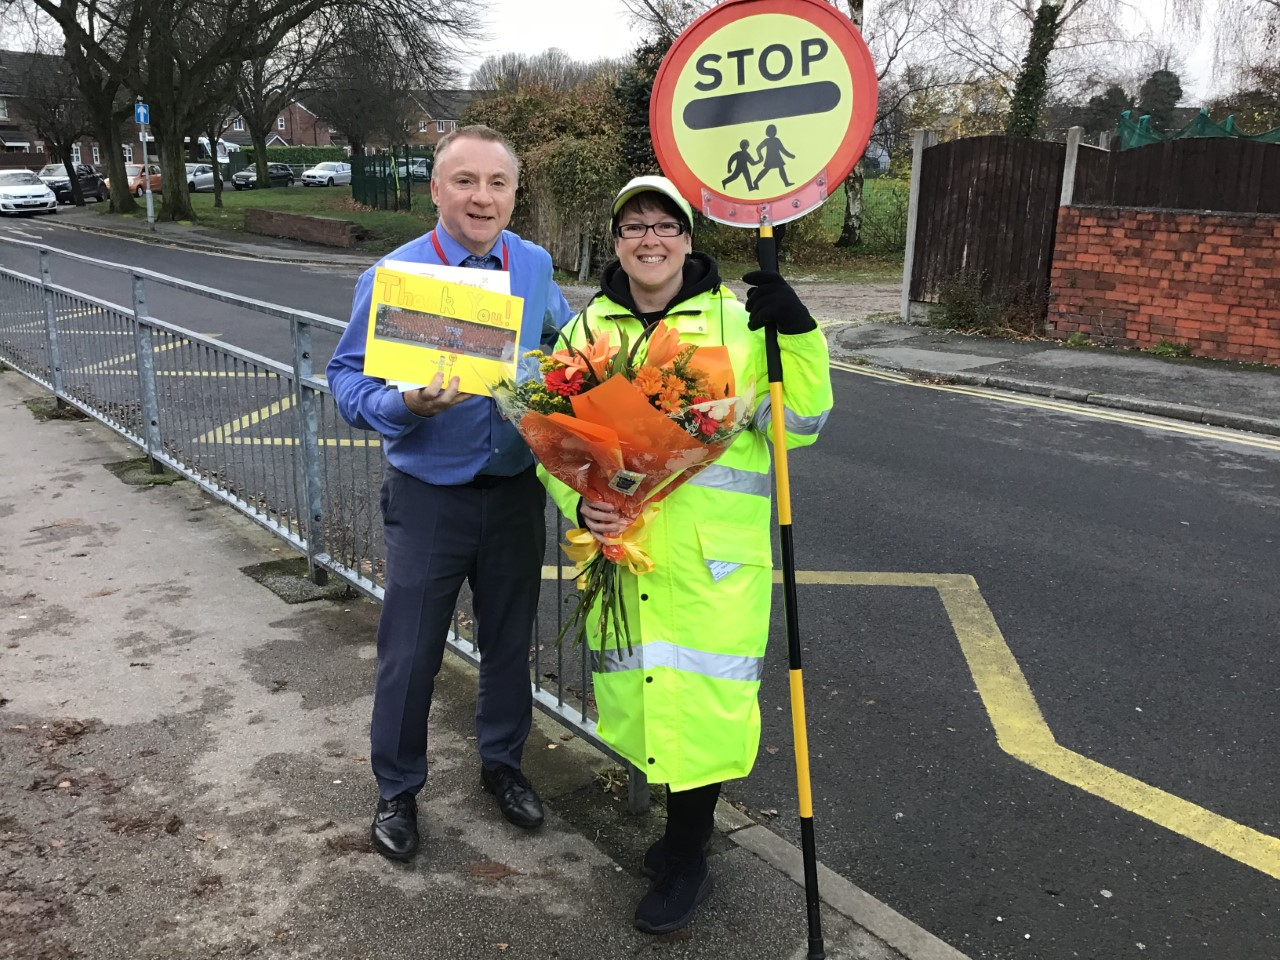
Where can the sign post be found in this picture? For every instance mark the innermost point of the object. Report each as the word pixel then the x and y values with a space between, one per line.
pixel 142 116
pixel 759 111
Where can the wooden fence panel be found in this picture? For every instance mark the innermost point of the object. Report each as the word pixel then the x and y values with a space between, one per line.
pixel 1222 174
pixel 988 208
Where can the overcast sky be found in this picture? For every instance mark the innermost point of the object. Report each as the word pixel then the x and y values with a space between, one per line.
pixel 589 29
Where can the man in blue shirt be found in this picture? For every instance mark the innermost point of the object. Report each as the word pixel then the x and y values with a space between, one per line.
pixel 460 501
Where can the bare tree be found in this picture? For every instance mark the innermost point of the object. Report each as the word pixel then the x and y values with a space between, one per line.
pixel 267 84
pixel 178 53
pixel 552 69
pixel 51 103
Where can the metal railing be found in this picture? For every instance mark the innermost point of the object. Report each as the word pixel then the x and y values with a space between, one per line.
pixel 262 435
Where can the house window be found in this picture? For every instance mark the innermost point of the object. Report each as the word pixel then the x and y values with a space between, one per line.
pixel 4 110
pixel 39 146
pixel 97 154
pixel 453 125
pixel 442 126
pixel 279 123
pixel 238 124
pixel 75 153
pixel 422 126
pixel 127 150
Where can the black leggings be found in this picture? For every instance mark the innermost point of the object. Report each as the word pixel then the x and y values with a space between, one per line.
pixel 690 819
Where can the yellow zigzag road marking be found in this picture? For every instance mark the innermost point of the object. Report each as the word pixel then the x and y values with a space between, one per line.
pixel 105 365
pixel 287 441
pixel 223 434
pixel 1066 406
pixel 1022 732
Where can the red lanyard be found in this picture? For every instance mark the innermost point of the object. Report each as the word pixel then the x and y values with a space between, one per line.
pixel 435 242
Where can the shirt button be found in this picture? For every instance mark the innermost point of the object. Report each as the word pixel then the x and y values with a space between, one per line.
pixel 651 760
pixel 648 679
pixel 644 596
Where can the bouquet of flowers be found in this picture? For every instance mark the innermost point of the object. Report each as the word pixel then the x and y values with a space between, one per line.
pixel 626 429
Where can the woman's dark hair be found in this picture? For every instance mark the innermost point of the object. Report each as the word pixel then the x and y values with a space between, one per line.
pixel 653 201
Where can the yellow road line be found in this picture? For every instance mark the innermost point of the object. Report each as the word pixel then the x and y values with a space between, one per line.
pixel 1022 732
pixel 284 441
pixel 224 433
pixel 1186 428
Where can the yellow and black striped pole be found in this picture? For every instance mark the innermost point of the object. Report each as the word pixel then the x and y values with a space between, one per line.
pixel 767 256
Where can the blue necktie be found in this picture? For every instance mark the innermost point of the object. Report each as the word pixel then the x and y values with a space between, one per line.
pixel 489 262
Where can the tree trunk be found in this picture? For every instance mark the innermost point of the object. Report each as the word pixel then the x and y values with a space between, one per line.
pixel 77 195
pixel 175 201
pixel 259 140
pixel 584 258
pixel 1032 83
pixel 851 231
pixel 217 168
pixel 106 127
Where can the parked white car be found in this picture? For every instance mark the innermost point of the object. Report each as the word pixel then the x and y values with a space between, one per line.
pixel 199 177
pixel 21 191
pixel 327 174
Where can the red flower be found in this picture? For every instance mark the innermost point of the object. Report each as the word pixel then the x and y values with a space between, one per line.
pixel 707 425
pixel 564 382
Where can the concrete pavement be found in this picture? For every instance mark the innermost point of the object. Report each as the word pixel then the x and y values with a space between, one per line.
pixel 184 774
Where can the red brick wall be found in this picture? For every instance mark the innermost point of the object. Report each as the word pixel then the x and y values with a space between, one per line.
pixel 1211 281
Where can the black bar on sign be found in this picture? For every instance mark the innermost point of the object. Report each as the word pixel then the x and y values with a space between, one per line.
pixel 757 106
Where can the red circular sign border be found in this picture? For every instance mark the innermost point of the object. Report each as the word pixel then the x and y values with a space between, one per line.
pixel 662 130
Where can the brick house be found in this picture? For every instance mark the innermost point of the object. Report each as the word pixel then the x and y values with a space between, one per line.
pixel 295 126
pixel 438 113
pixel 20 143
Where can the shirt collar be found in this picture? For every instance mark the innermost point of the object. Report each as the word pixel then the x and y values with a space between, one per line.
pixel 456 252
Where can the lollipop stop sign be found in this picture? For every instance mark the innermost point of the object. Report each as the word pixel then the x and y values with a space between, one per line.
pixel 762 107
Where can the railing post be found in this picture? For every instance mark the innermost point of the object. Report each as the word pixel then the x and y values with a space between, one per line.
pixel 51 328
pixel 1074 136
pixel 637 790
pixel 921 140
pixel 308 421
pixel 143 347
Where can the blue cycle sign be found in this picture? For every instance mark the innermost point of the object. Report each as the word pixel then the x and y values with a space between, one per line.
pixel 141 114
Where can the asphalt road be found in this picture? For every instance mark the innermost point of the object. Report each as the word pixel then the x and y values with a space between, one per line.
pixel 1132 575
pixel 1132 669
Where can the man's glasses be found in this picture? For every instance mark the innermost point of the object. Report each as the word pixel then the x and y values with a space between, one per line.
pixel 634 231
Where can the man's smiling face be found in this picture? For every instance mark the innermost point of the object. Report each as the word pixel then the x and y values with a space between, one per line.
pixel 474 188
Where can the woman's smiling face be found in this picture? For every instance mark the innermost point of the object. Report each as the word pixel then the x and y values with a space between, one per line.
pixel 654 264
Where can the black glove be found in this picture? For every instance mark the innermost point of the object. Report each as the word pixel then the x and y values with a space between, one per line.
pixel 772 302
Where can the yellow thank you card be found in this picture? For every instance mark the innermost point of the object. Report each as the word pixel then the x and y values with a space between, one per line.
pixel 420 326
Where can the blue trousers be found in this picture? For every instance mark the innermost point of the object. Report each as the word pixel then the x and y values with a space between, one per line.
pixel 492 534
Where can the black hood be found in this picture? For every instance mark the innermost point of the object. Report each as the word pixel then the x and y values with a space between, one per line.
pixel 700 276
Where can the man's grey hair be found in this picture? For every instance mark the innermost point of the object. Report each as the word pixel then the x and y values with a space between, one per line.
pixel 477 131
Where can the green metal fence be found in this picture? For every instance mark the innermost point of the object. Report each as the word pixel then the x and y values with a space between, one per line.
pixel 396 180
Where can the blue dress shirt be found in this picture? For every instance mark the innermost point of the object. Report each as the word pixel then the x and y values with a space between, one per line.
pixel 470 438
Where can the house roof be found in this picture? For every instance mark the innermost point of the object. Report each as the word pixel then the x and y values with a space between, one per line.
pixel 16 67
pixel 445 104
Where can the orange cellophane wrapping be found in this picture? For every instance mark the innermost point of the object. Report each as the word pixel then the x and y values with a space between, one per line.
pixel 614 428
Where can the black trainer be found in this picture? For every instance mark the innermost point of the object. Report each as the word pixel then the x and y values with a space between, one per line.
pixel 655 859
pixel 395 827
pixel 517 799
pixel 671 901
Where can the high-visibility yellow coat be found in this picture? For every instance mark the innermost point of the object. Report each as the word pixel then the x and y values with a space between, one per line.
pixel 682 706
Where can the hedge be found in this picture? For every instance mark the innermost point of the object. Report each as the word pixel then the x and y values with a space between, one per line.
pixel 299 156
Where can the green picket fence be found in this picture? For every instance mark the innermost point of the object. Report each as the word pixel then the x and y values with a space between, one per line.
pixel 397 180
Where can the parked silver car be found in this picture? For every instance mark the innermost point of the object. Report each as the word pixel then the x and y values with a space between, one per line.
pixel 199 177
pixel 327 174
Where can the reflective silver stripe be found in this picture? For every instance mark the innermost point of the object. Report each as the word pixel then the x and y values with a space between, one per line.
pixel 646 656
pixel 716 477
pixel 800 426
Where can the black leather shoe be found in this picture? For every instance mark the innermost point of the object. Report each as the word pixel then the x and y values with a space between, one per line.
pixel 671 902
pixel 516 797
pixel 395 827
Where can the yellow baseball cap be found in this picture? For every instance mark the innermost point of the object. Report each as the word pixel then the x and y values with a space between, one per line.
pixel 653 185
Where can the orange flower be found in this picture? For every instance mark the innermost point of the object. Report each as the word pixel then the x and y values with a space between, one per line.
pixel 664 346
pixel 648 380
pixel 671 399
pixel 590 356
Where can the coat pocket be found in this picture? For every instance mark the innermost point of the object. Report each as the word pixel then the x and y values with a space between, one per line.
pixel 727 546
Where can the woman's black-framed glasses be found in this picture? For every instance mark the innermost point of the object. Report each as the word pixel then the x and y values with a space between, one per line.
pixel 634 231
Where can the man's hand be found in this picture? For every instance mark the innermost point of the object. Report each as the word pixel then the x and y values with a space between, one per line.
pixel 772 303
pixel 434 397
pixel 602 519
